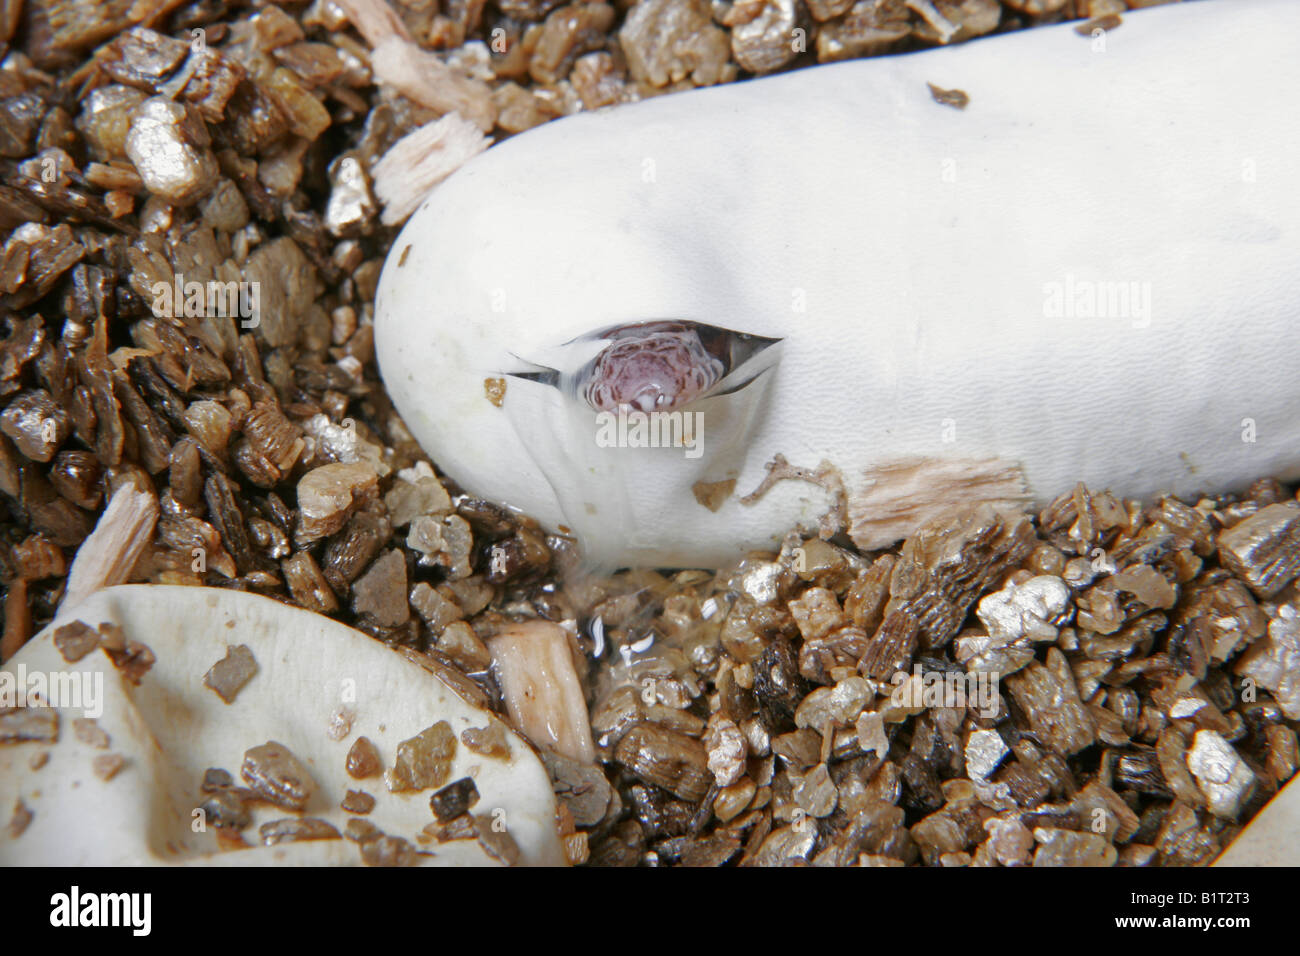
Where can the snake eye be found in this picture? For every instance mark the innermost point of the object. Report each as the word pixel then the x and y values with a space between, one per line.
pixel 651 369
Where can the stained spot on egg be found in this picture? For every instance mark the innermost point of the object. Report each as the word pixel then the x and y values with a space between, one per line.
pixel 712 494
pixel 957 99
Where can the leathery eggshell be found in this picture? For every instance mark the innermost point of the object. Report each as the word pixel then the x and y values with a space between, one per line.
pixel 1091 273
pixel 311 672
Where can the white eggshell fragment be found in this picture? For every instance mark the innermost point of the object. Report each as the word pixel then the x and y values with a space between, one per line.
pixel 1091 272
pixel 318 686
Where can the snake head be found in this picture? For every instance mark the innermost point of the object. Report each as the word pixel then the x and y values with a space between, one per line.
pixel 659 365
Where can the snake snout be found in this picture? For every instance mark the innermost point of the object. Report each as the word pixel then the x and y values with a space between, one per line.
pixel 650 368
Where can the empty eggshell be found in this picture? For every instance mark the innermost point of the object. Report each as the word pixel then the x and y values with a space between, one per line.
pixel 316 687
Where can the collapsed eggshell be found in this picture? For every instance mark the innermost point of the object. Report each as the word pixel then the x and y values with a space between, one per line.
pixel 1270 838
pixel 928 270
pixel 171 728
